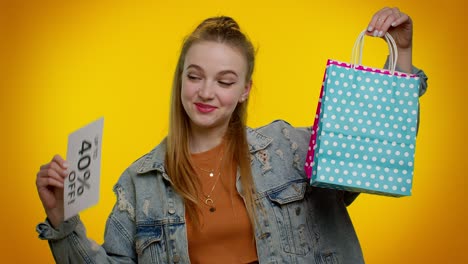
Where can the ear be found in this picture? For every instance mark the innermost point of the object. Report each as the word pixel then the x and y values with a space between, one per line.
pixel 246 92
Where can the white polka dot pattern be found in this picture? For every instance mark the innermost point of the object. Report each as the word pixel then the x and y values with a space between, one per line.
pixel 365 131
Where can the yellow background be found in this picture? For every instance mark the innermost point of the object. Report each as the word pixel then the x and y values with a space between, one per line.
pixel 66 63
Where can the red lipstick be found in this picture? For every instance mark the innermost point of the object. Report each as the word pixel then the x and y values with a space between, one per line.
pixel 204 108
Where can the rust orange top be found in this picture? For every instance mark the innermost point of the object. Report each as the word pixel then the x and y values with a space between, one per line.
pixel 225 234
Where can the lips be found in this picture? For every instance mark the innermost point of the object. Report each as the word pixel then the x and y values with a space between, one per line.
pixel 204 108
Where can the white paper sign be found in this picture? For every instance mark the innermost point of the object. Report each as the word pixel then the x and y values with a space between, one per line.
pixel 81 187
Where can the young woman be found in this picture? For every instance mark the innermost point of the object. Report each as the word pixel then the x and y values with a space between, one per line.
pixel 216 191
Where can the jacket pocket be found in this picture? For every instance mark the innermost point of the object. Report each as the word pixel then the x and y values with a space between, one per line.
pixel 149 244
pixel 290 215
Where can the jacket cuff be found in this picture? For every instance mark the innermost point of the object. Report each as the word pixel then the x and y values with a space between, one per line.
pixel 47 232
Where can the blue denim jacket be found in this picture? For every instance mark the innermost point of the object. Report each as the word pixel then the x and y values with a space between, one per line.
pixel 299 223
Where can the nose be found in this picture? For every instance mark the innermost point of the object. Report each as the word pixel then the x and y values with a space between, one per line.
pixel 206 91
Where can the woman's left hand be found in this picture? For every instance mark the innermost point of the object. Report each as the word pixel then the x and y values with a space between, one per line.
pixel 395 22
pixel 400 26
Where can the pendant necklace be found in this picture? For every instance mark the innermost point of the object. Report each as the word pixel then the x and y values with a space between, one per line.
pixel 211 173
pixel 208 200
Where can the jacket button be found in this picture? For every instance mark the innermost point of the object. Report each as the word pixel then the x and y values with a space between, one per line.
pixel 172 211
pixel 176 258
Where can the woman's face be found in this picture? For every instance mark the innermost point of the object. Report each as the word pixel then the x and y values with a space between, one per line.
pixel 213 83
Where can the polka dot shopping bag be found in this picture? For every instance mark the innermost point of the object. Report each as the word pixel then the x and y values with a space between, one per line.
pixel 364 134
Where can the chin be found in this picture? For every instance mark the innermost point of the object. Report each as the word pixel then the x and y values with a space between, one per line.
pixel 207 124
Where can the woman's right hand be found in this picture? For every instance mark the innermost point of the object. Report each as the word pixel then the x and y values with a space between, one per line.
pixel 49 183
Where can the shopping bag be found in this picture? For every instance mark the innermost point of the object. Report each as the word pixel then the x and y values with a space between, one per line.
pixel 364 133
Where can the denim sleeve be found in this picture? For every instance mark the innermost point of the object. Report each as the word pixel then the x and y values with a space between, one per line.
pixel 69 243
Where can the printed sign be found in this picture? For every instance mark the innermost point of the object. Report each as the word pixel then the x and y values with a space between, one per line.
pixel 81 187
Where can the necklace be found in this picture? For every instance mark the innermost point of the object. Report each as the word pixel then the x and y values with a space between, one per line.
pixel 208 200
pixel 211 172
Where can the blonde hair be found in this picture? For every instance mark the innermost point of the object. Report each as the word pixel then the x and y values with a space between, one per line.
pixel 223 30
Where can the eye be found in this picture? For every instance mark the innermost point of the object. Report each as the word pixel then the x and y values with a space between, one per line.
pixel 193 77
pixel 225 83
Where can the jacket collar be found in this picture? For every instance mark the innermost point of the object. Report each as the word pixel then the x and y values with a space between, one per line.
pixel 155 159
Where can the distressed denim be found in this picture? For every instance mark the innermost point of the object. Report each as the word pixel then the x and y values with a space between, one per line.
pixel 297 224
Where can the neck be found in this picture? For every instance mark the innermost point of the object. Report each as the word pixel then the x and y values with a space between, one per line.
pixel 203 139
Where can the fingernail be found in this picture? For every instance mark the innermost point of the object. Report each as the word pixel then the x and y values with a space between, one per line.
pixel 380 33
pixel 370 28
pixel 393 24
pixel 376 33
pixel 65 164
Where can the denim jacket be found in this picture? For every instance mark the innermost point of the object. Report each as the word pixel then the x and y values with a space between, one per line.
pixel 298 223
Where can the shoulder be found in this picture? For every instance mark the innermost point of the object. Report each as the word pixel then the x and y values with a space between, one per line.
pixel 149 162
pixel 272 129
pixel 274 125
pixel 153 160
pixel 281 129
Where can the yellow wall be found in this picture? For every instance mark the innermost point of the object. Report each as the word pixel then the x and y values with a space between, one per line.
pixel 65 64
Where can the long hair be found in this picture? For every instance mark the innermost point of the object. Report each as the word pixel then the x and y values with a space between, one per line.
pixel 223 30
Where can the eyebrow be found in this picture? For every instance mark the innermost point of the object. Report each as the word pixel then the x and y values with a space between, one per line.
pixel 219 73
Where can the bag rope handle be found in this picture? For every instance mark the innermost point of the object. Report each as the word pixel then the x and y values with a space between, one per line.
pixel 356 56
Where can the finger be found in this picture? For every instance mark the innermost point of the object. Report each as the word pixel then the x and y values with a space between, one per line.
pixel 385 26
pixel 56 159
pixel 394 15
pixel 44 166
pixel 49 174
pixel 48 182
pixel 392 20
pixel 59 169
pixel 57 164
pixel 383 19
pixel 52 169
pixel 398 21
pixel 376 21
pixel 59 160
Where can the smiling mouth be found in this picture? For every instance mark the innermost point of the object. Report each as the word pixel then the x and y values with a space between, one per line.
pixel 203 108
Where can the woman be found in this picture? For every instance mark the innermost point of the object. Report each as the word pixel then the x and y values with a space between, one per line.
pixel 215 191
